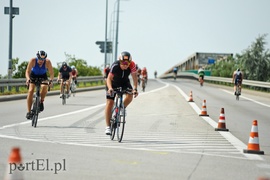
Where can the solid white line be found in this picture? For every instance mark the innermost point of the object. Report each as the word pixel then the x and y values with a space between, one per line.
pixel 248 98
pixel 52 117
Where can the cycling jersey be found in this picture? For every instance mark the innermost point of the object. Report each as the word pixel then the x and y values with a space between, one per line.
pixel 144 73
pixel 36 70
pixel 65 72
pixel 74 72
pixel 121 77
pixel 106 72
pixel 201 72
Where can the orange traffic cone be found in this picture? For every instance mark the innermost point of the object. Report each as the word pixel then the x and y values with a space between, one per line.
pixel 14 170
pixel 190 97
pixel 221 122
pixel 204 111
pixel 253 143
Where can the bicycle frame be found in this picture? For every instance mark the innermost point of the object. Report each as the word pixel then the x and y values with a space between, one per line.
pixel 36 103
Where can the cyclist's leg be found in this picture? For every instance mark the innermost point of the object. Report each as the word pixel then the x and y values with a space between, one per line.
pixel 68 85
pixel 30 96
pixel 44 90
pixel 61 86
pixel 108 111
pixel 234 87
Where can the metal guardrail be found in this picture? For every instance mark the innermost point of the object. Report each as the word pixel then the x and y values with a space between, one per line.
pixel 21 82
pixel 246 82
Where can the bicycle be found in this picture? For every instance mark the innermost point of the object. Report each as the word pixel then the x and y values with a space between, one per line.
pixel 118 121
pixel 237 90
pixel 36 102
pixel 64 93
pixel 73 87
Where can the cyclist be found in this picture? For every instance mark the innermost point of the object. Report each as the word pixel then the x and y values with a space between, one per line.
pixel 74 73
pixel 237 77
pixel 119 77
pixel 201 75
pixel 138 69
pixel 155 73
pixel 144 75
pixel 64 75
pixel 37 68
pixel 106 72
pixel 175 69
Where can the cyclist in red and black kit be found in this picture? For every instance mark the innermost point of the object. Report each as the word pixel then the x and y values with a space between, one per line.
pixel 119 77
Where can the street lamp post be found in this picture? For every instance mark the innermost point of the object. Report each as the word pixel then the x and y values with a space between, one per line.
pixel 11 11
pixel 105 44
pixel 117 27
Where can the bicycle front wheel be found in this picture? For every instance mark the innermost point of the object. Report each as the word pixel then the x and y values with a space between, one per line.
pixel 120 127
pixel 113 128
pixel 63 99
pixel 35 111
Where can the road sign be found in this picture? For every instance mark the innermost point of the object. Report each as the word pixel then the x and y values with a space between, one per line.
pixel 211 61
pixel 15 10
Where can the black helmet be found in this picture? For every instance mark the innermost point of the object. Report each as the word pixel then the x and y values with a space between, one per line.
pixel 41 53
pixel 125 56
pixel 238 69
pixel 64 64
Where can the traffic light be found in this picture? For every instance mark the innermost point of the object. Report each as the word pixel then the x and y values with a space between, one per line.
pixel 102 46
pixel 109 47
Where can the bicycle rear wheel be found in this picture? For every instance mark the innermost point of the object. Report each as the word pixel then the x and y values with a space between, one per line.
pixel 120 126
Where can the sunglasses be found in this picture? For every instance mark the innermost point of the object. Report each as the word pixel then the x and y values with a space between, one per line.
pixel 42 59
pixel 124 62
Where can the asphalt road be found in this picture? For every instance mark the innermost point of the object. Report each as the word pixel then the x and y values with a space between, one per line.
pixel 165 138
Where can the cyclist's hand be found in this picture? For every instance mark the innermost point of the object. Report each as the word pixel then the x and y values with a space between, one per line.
pixel 27 82
pixel 135 92
pixel 110 91
pixel 51 83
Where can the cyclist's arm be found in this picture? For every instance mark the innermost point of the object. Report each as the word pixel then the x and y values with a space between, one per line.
pixel 59 76
pixel 31 64
pixel 70 76
pixel 233 76
pixel 109 81
pixel 135 80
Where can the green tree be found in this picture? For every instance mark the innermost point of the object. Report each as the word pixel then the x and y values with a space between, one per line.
pixel 82 67
pixel 20 73
pixel 256 60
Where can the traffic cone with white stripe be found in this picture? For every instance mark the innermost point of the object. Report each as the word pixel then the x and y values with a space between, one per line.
pixel 253 143
pixel 15 167
pixel 221 122
pixel 190 97
pixel 204 110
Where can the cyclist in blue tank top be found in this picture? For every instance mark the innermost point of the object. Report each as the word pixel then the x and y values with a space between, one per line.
pixel 37 68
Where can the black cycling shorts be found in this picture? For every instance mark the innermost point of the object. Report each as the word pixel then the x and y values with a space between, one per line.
pixel 34 76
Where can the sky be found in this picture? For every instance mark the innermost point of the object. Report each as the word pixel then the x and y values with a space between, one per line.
pixel 158 33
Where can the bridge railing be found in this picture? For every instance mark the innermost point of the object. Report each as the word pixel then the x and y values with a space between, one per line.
pixel 17 83
pixel 249 83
